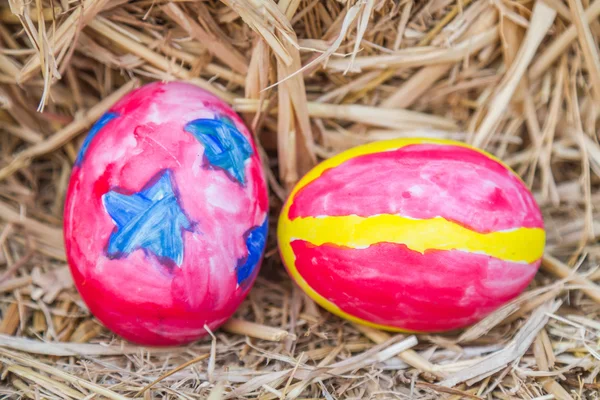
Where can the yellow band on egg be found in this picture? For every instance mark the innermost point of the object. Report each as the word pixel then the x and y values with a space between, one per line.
pixel 518 245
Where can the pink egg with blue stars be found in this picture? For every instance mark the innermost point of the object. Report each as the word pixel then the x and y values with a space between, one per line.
pixel 165 220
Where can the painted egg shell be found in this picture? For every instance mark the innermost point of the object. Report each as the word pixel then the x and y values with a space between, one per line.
pixel 166 215
pixel 411 235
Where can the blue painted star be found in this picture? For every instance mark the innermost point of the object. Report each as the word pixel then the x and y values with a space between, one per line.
pixel 97 127
pixel 255 242
pixel 151 219
pixel 224 146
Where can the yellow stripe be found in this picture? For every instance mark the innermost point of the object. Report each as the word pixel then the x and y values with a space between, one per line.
pixel 519 245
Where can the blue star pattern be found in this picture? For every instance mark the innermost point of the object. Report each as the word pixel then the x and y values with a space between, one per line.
pixel 255 242
pixel 151 219
pixel 224 146
pixel 97 127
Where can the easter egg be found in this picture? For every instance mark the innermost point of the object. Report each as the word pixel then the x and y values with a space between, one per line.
pixel 415 235
pixel 165 220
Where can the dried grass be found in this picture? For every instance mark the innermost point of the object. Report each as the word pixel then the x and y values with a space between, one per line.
pixel 312 78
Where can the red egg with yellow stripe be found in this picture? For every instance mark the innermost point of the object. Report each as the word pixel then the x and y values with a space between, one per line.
pixel 417 235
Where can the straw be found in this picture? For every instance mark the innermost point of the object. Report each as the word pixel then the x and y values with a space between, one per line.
pixel 310 78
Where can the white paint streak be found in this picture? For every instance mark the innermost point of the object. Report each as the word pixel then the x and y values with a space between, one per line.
pixel 216 196
pixel 197 165
pixel 416 190
pixel 155 114
pixel 163 147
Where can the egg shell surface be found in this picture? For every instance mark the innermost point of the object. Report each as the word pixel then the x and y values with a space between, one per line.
pixel 416 235
pixel 165 220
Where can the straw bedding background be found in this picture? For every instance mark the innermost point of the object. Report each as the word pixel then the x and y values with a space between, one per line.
pixel 311 78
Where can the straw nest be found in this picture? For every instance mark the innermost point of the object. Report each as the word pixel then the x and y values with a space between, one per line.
pixel 311 77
